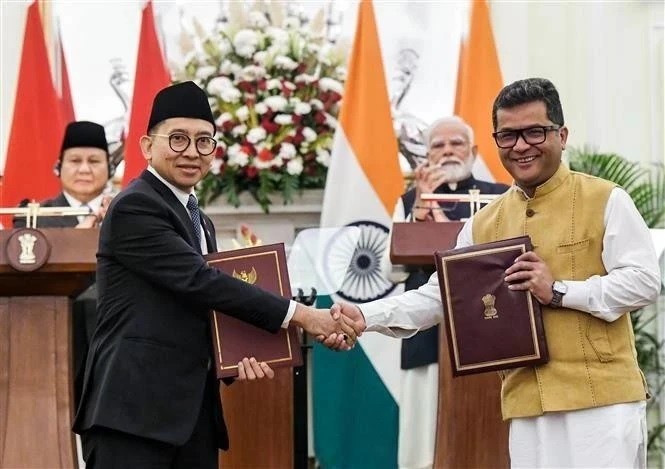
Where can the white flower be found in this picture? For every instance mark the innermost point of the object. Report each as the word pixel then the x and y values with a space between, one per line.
pixel 288 85
pixel 291 23
pixel 281 61
pixel 230 95
pixel 224 46
pixel 323 157
pixel 276 103
pixel 273 84
pixel 226 67
pixel 261 108
pixel 316 103
pixel 287 150
pixel 305 78
pixel 215 165
pixel 302 109
pixel 242 113
pixel 256 134
pixel 331 121
pixel 236 156
pixel 245 42
pixel 277 35
pixel 278 49
pixel 225 117
pixel 217 85
pixel 252 72
pixel 205 71
pixel 260 57
pixel 239 130
pixel 309 134
pixel 258 20
pixel 294 167
pixel 238 159
pixel 326 84
pixel 283 119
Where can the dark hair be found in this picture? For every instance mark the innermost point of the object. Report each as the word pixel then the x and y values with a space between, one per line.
pixel 527 91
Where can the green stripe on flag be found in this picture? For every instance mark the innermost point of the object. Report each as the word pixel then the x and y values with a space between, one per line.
pixel 355 417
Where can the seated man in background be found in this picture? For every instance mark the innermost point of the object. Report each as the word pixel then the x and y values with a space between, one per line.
pixel 84 169
pixel 451 153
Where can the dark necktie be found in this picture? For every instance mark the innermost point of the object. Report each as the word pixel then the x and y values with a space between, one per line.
pixel 195 214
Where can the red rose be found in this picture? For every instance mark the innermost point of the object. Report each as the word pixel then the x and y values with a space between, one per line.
pixel 269 126
pixel 266 155
pixel 219 152
pixel 296 119
pixel 251 172
pixel 320 117
pixel 228 126
pixel 248 149
pixel 298 138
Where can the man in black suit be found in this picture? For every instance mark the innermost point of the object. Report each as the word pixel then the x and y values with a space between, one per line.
pixel 150 397
pixel 451 153
pixel 84 169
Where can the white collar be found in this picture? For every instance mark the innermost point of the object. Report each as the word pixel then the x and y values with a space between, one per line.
pixel 94 204
pixel 181 195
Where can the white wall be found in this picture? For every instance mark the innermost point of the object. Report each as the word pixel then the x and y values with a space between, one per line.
pixel 606 58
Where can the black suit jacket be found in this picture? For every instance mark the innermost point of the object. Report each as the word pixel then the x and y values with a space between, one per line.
pixel 423 348
pixel 148 360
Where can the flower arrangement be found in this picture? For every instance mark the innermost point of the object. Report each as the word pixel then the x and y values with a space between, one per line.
pixel 274 83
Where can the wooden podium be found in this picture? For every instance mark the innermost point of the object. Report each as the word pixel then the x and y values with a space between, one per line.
pixel 36 392
pixel 469 432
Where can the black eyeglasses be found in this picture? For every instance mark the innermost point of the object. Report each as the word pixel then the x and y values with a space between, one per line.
pixel 532 136
pixel 180 142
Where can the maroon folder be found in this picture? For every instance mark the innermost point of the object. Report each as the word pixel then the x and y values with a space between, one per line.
pixel 233 339
pixel 415 243
pixel 488 326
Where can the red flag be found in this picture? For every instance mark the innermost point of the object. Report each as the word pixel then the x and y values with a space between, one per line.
pixel 34 139
pixel 478 82
pixel 66 103
pixel 151 76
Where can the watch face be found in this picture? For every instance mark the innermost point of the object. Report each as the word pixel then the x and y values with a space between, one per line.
pixel 560 287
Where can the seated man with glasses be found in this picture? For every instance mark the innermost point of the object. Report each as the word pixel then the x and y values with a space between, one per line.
pixel 451 152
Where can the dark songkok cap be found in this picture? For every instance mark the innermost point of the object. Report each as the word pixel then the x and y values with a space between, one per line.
pixel 181 100
pixel 84 134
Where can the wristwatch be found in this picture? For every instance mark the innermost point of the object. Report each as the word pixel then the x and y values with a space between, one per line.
pixel 558 290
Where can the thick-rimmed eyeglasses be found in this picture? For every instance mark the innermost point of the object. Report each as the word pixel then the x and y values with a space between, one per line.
pixel 180 142
pixel 532 135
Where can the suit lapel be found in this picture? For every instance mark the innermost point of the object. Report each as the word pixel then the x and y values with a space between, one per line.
pixel 174 203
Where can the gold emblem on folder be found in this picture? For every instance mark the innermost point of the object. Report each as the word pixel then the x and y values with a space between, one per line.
pixel 250 277
pixel 490 310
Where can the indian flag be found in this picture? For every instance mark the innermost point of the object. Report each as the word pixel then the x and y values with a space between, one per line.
pixel 478 83
pixel 355 394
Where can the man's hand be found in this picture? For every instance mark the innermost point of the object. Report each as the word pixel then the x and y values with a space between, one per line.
pixel 529 272
pixel 352 316
pixel 95 218
pixel 249 369
pixel 321 324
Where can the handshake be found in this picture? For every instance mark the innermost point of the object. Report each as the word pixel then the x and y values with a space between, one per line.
pixel 337 328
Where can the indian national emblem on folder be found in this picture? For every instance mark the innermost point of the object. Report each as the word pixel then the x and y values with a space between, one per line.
pixel 263 266
pixel 488 326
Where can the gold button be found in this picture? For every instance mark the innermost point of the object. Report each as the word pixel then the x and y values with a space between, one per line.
pixel 530 212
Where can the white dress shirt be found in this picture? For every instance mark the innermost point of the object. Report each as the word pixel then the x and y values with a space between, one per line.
pixel 94 204
pixel 629 257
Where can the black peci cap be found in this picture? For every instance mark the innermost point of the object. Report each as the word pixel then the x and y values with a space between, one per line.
pixel 84 134
pixel 181 100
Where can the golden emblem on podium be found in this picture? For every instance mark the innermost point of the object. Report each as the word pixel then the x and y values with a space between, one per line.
pixel 490 310
pixel 250 277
